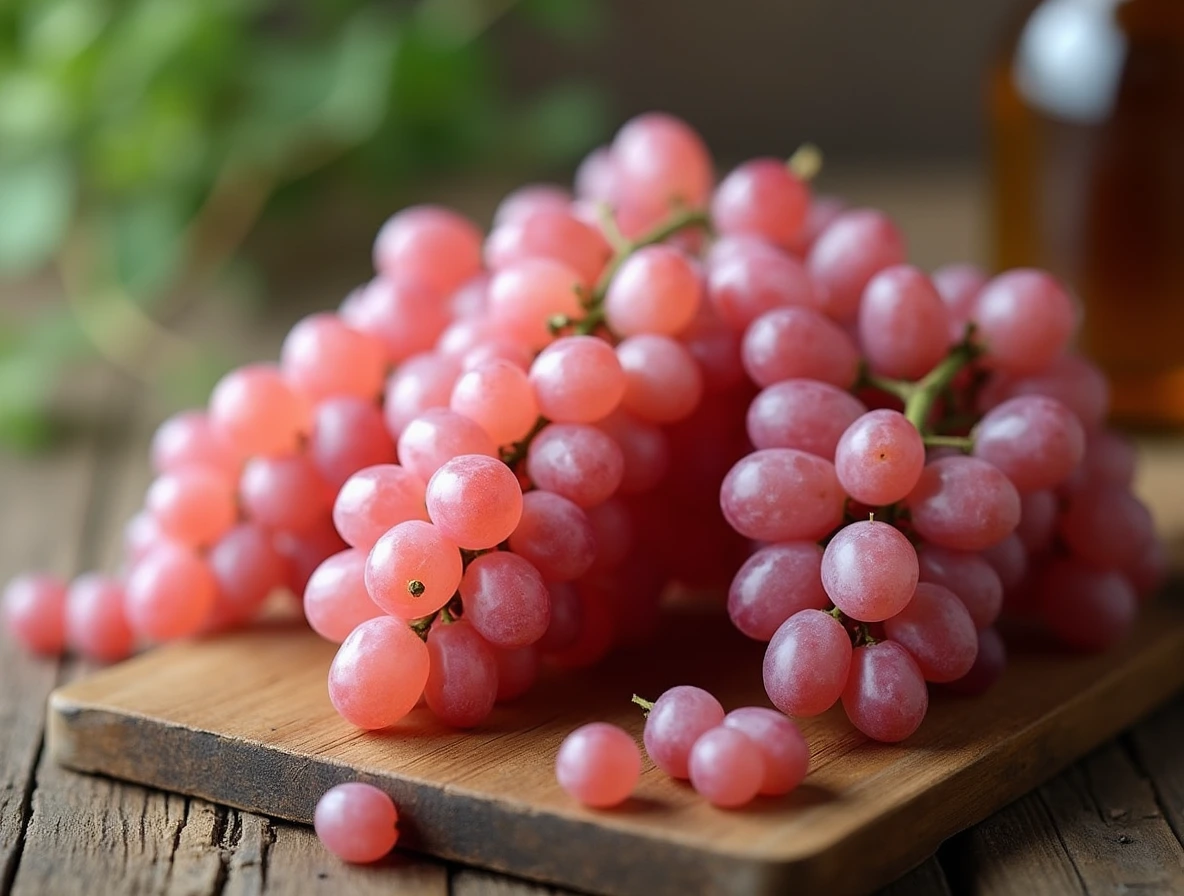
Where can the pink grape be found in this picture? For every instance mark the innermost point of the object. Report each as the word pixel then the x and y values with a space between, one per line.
pixel 376 499
pixel 34 612
pixel 469 299
pixel 656 290
pixel 663 383
pixel 413 570
pixel 348 434
pixel 96 625
pixel 678 718
pixel 577 461
pixel 1072 380
pixel 726 767
pixel 854 248
pixel 436 437
pixel 284 493
pixel 1038 520
pixel 959 286
pixel 1106 527
pixel 988 667
pixel 781 494
pixel 972 579
pixel 323 357
pixel 1086 609
pixel 461 336
pixel 762 197
pixel 903 324
pixel 820 215
pixel 517 671
pixel 879 458
pixel 499 397
pixel 716 348
pixel 660 162
pixel 549 233
pixel 506 599
pixel 403 313
pixel 596 176
pixel 433 244
pixel 555 535
pixel 335 598
pixel 379 673
pixel 613 530
pixel 567 618
pixel 475 501
pixel 806 663
pixel 498 349
pixel 937 631
pixel 305 551
pixel 599 765
pixel 1036 441
pixel 194 506
pixel 356 822
pixel 964 503
pixel 776 582
pixel 645 449
pixel 799 343
pixel 462 677
pixel 1009 560
pixel 746 277
pixel 1110 457
pixel 188 439
pixel 577 379
pixel 785 752
pixel 247 568
pixel 255 411
pixel 804 414
pixel 869 570
pixel 170 593
pixel 885 697
pixel 525 296
pixel 1025 319
pixel 421 382
pixel 140 535
pixel 525 201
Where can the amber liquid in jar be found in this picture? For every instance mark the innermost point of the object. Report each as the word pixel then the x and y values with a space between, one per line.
pixel 1087 131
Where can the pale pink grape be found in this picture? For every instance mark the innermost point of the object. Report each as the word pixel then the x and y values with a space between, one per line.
pixel 645 449
pixel 378 674
pixel 525 296
pixel 525 201
pixel 716 348
pixel 762 197
pixel 656 290
pixel 806 663
pixel 776 582
pixel 595 178
pixel 804 414
pixel 499 397
pixel 577 379
pixel 193 506
pixel 1037 442
pixel 937 631
pixel 34 612
pixel 903 324
pixel 959 286
pixel 555 234
pixel 462 677
pixel 498 348
pixel 747 277
pixel 799 343
pixel 170 593
pixel 879 458
pixel 659 162
pixel 781 494
pixel 577 461
pixel 284 493
pixel 433 244
pixel 96 624
pixel 376 499
pixel 323 357
pixel 555 535
pixel 469 300
pixel 663 383
pixel 463 334
pixel 678 718
pixel 972 579
pixel 247 568
pixel 506 599
pixel 1025 319
pixel 188 439
pixel 413 570
pixel 356 822
pixel 335 598
pixel 256 412
pixel 475 501
pixel 822 212
pixel 726 767
pixel 964 503
pixel 403 313
pixel 599 765
pixel 140 535
pixel 847 254
pixel 885 697
pixel 438 435
pixel 421 382
pixel 348 435
pixel 786 754
pixel 869 570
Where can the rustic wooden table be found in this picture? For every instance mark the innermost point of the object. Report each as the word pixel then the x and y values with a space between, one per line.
pixel 1112 823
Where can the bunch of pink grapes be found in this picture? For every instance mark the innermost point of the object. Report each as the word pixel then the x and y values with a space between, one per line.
pixel 497 454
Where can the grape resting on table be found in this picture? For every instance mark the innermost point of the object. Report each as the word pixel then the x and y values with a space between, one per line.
pixel 496 455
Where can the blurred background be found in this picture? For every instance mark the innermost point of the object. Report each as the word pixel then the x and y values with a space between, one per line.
pixel 175 175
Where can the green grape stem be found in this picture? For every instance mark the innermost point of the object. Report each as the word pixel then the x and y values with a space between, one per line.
pixel 515 453
pixel 646 705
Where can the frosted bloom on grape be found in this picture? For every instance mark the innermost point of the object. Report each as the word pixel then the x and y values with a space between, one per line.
pixel 678 718
pixel 525 296
pixel 475 501
pixel 972 579
pixel 462 677
pixel 438 435
pixel 847 254
pixel 903 323
pixel 413 570
pixel 376 499
pixel 780 494
pixel 804 414
pixel 430 243
pixel 378 674
pixel 885 696
pixel 799 343
pixel 776 582
pixel 322 357
pixel 34 612
pixel 660 162
pixel 747 277
pixel 555 535
pixel 549 233
pixel 1025 319
pixel 964 503
pixel 937 631
pixel 786 754
pixel 1036 441
pixel 255 411
pixel 356 822
pixel 762 197
pixel 656 290
pixel 96 624
pixel 806 663
pixel 577 379
pixel 869 570
pixel 577 461
pixel 599 765
pixel 879 458
pixel 663 384
pixel 506 600
pixel 726 767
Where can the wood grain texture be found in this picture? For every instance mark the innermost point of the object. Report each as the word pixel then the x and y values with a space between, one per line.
pixel 244 720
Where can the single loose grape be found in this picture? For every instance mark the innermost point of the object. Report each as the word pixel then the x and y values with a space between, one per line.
pixel 678 718
pixel 96 623
pixel 726 767
pixel 599 765
pixel 34 612
pixel 356 822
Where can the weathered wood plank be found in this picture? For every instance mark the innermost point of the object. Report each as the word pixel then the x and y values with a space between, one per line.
pixel 927 879
pixel 470 882
pixel 1158 748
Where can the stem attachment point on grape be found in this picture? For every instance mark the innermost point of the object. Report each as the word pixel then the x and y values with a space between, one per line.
pixel 416 588
pixel 806 162
pixel 646 705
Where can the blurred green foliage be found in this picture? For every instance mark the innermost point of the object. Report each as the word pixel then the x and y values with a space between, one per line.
pixel 133 130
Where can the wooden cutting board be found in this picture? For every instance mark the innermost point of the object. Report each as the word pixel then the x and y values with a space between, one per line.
pixel 245 720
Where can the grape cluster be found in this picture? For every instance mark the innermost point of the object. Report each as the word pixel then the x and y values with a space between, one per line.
pixel 499 451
